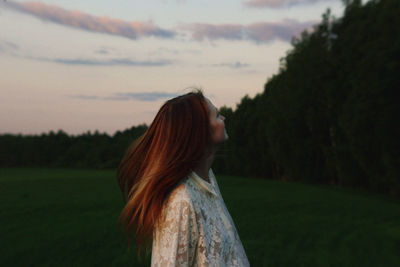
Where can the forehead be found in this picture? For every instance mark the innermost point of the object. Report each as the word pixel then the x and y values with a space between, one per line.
pixel 210 105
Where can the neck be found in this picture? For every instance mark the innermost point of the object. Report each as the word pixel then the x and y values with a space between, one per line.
pixel 204 165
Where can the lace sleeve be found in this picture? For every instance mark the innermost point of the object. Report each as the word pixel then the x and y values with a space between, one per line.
pixel 176 235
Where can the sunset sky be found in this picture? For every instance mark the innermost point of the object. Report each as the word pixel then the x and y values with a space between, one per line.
pixel 108 65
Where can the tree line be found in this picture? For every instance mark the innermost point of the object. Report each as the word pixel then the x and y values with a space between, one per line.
pixel 87 150
pixel 328 116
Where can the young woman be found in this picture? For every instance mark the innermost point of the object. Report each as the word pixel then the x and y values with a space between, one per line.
pixel 172 197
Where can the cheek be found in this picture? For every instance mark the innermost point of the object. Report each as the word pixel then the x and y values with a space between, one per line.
pixel 219 132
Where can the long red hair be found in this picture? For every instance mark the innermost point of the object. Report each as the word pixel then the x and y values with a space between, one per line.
pixel 165 154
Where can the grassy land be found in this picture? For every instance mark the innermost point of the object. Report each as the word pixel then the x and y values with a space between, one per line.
pixel 63 217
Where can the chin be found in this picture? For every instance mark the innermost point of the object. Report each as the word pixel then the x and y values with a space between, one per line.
pixel 226 136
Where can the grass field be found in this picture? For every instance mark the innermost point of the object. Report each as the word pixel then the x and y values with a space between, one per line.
pixel 63 217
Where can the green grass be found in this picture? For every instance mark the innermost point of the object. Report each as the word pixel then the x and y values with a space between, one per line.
pixel 64 217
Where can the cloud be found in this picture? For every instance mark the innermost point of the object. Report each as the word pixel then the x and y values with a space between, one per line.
pixel 284 30
pixel 201 31
pixel 166 51
pixel 8 47
pixel 140 96
pixel 143 96
pixel 280 3
pixel 103 51
pixel 85 96
pixel 236 65
pixel 261 32
pixel 80 20
pixel 104 62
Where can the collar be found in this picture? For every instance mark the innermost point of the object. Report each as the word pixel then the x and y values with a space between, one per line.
pixel 209 187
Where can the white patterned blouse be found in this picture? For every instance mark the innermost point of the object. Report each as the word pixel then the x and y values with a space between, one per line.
pixel 197 229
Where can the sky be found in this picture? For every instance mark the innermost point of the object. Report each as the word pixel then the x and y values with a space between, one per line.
pixel 90 65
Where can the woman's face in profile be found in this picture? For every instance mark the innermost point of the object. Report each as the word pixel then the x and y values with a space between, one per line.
pixel 217 124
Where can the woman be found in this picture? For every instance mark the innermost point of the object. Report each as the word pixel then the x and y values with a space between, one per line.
pixel 172 197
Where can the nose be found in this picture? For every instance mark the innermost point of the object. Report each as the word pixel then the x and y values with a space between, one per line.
pixel 222 117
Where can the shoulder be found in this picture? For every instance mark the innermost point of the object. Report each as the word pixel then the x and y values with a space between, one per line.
pixel 180 197
pixel 180 192
pixel 178 204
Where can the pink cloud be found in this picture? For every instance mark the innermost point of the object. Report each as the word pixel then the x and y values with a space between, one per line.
pixel 280 3
pixel 201 31
pixel 261 32
pixel 283 30
pixel 81 20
